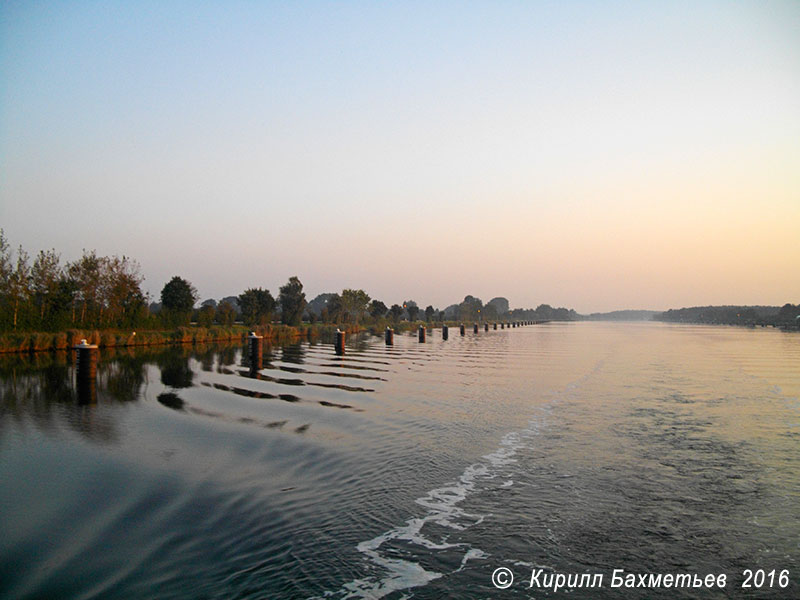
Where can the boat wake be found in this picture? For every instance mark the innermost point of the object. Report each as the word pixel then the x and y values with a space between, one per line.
pixel 443 510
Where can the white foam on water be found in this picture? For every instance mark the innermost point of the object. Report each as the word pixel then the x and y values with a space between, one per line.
pixel 443 509
pixel 532 566
pixel 472 554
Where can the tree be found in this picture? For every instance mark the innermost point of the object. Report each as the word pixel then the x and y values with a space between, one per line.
pixel 256 306
pixel 19 285
pixel 6 267
pixel 177 299
pixel 500 305
pixel 412 309
pixel 470 308
pixel 333 309
pixel 86 272
pixel 62 303
pixel 396 312
pixel 293 302
pixel 355 303
pixel 233 301
pixel 225 314
pixel 788 313
pixel 205 316
pixel 121 291
pixel 429 312
pixel 45 275
pixel 316 305
pixel 545 312
pixel 377 309
pixel 490 312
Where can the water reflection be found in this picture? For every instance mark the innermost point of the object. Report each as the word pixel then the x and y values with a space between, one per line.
pixel 171 400
pixel 226 356
pixel 294 353
pixel 42 388
pixel 124 375
pixel 86 391
pixel 206 355
pixel 175 369
pixel 254 363
pixel 581 447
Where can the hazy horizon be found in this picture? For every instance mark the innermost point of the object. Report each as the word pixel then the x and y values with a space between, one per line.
pixel 596 156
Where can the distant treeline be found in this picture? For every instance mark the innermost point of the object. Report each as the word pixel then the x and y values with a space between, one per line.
pixel 623 315
pixel 780 316
pixel 104 293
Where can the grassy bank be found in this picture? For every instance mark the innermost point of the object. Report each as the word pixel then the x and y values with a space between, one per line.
pixel 64 340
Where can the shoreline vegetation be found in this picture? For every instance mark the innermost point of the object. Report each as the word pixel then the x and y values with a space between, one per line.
pixel 31 342
pixel 194 334
pixel 66 340
pixel 47 306
pixel 786 317
pixel 276 333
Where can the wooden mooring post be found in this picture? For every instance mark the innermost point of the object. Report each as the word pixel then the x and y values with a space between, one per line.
pixel 86 361
pixel 389 336
pixel 255 350
pixel 339 341
pixel 463 331
pixel 86 357
pixel 445 332
pixel 422 331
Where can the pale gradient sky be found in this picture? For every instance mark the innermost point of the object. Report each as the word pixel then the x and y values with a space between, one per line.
pixel 594 155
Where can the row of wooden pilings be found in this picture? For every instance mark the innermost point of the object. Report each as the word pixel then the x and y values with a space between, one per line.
pixel 87 354
pixel 422 332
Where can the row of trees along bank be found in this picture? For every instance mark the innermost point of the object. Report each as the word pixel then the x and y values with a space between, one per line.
pixel 105 292
pixel 101 297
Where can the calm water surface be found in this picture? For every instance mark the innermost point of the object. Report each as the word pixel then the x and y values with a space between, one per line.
pixel 411 471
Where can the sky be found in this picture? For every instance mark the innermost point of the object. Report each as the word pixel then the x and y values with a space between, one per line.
pixel 593 155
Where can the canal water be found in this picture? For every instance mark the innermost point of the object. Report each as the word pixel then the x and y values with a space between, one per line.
pixel 412 471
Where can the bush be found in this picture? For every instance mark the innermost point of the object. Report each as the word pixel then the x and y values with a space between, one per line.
pixel 41 341
pixel 60 341
pixel 74 337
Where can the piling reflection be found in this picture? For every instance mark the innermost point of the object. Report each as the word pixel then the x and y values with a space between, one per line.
pixel 86 390
pixel 43 389
pixel 294 353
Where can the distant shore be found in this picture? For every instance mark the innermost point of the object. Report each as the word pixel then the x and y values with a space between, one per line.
pixel 787 317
